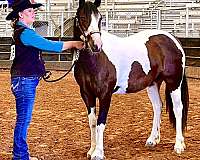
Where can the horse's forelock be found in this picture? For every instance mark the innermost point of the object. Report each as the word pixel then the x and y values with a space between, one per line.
pixel 97 3
pixel 88 8
pixel 81 3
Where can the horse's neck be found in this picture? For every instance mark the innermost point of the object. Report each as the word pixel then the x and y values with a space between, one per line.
pixel 112 41
pixel 87 55
pixel 108 36
pixel 88 61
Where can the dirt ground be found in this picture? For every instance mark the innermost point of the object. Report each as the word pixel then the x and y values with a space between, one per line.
pixel 60 131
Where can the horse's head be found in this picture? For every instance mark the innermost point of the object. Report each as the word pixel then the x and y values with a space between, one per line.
pixel 88 25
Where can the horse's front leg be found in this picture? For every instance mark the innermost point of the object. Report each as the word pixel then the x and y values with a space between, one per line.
pixel 104 104
pixel 92 124
pixel 90 102
pixel 154 96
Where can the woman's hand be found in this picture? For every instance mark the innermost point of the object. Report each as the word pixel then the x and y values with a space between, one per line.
pixel 78 44
pixel 73 44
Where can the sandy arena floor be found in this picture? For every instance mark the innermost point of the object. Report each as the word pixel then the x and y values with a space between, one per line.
pixel 60 131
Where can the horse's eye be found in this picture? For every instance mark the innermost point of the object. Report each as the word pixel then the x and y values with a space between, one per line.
pixel 82 18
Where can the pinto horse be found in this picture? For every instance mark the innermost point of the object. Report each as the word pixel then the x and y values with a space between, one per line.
pixel 112 65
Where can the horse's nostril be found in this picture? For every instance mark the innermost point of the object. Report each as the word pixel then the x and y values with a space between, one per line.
pixel 96 47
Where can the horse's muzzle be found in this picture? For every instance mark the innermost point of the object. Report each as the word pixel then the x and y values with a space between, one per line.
pixel 96 48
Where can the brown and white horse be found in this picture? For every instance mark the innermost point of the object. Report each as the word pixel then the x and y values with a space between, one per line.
pixel 110 64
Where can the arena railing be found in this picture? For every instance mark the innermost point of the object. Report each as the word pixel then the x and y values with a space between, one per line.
pixel 113 20
pixel 185 20
pixel 131 21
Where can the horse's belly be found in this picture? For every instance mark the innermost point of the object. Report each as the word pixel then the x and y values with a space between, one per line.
pixel 136 80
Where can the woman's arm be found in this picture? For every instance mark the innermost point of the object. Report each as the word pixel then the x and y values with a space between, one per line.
pixel 30 38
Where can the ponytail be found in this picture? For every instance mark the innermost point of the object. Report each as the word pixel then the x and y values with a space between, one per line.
pixel 14 22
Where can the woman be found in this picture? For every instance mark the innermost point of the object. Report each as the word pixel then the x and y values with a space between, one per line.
pixel 28 68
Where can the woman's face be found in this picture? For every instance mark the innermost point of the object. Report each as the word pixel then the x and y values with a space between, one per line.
pixel 27 16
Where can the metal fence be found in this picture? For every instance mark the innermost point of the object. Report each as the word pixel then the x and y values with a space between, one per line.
pixel 182 22
pixel 120 22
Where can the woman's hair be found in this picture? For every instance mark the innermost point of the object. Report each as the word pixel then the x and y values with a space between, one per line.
pixel 14 22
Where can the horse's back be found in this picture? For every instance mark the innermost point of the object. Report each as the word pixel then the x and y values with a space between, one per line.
pixel 137 39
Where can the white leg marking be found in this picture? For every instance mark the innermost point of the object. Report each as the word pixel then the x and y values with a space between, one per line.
pixel 155 99
pixel 92 124
pixel 99 151
pixel 178 107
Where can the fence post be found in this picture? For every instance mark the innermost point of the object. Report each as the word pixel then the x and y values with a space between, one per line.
pixel 158 19
pixel 48 7
pixel 107 19
pixel 62 24
pixel 186 21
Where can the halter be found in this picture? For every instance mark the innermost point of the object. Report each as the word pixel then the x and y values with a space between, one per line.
pixel 85 40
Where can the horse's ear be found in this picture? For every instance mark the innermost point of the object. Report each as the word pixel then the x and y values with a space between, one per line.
pixel 81 3
pixel 97 3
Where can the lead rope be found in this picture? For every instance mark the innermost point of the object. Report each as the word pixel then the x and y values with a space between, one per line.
pixel 48 73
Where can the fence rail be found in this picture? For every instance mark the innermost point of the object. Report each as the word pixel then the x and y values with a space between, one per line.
pixel 57 61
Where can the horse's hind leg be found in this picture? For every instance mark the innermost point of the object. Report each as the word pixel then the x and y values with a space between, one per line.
pixel 154 96
pixel 177 108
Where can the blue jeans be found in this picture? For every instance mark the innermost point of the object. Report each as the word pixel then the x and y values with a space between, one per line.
pixel 24 90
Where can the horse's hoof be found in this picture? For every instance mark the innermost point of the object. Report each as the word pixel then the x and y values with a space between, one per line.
pixel 88 156
pixel 179 150
pixel 89 153
pixel 179 147
pixel 98 158
pixel 150 145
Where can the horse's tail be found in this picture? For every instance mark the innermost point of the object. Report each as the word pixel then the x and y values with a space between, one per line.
pixel 184 100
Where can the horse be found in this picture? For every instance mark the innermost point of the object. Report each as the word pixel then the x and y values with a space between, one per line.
pixel 113 65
